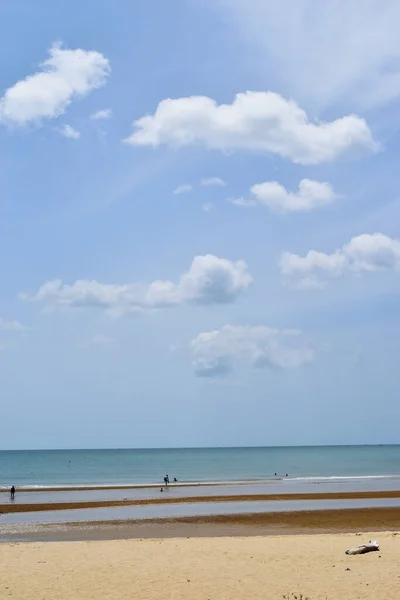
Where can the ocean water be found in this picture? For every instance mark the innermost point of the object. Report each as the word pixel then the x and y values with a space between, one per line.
pixel 43 468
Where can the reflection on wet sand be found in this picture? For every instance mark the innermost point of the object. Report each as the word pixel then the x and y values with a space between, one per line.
pixel 189 509
pixel 250 524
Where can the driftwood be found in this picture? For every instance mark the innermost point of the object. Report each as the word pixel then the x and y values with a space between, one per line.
pixel 372 546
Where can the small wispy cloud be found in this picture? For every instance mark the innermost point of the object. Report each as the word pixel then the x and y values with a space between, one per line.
pixel 101 340
pixel 213 181
pixel 349 57
pixel 15 326
pixel 208 206
pixel 241 201
pixel 106 113
pixel 98 340
pixel 183 189
pixel 5 346
pixel 69 132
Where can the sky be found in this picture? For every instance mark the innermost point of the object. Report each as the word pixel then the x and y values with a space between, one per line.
pixel 199 223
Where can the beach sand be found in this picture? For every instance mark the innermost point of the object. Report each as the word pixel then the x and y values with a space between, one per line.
pixel 224 568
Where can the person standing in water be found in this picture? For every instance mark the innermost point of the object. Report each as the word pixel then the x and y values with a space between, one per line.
pixel 12 492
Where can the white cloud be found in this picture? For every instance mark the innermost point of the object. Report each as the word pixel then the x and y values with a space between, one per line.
pixel 210 280
pixel 242 201
pixel 69 132
pixel 366 252
pixel 213 181
pixel 324 52
pixel 183 189
pixel 99 340
pixel 255 121
pixel 101 114
pixel 208 206
pixel 12 326
pixel 271 194
pixel 46 94
pixel 215 352
pixel 5 346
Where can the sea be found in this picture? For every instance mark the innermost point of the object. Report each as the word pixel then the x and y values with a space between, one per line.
pixel 102 467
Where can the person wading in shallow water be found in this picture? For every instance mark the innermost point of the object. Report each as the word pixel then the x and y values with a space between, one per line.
pixel 12 492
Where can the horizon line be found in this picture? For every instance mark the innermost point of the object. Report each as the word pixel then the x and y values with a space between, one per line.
pixel 91 449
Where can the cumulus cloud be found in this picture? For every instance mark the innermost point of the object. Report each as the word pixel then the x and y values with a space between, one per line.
pixel 48 92
pixel 183 189
pixel 210 280
pixel 335 52
pixel 366 252
pixel 12 326
pixel 271 194
pixel 69 132
pixel 101 114
pixel 255 121
pixel 213 181
pixel 214 353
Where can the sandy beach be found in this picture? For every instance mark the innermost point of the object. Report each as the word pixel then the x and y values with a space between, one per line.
pixel 224 568
pixel 269 540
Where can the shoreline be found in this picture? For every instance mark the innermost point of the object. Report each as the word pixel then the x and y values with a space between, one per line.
pixel 56 506
pixel 339 479
pixel 149 486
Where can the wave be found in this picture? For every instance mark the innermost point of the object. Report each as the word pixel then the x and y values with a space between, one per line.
pixel 342 477
pixel 315 479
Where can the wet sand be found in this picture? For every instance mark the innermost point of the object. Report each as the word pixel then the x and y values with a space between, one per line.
pixel 287 486
pixel 224 568
pixel 261 524
pixel 54 506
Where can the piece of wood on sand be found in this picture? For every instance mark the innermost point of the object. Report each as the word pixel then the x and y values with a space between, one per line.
pixel 372 546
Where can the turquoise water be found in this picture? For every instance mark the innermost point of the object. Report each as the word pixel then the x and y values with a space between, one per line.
pixel 102 467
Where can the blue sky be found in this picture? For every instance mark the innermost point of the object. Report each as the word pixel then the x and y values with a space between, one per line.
pixel 200 223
